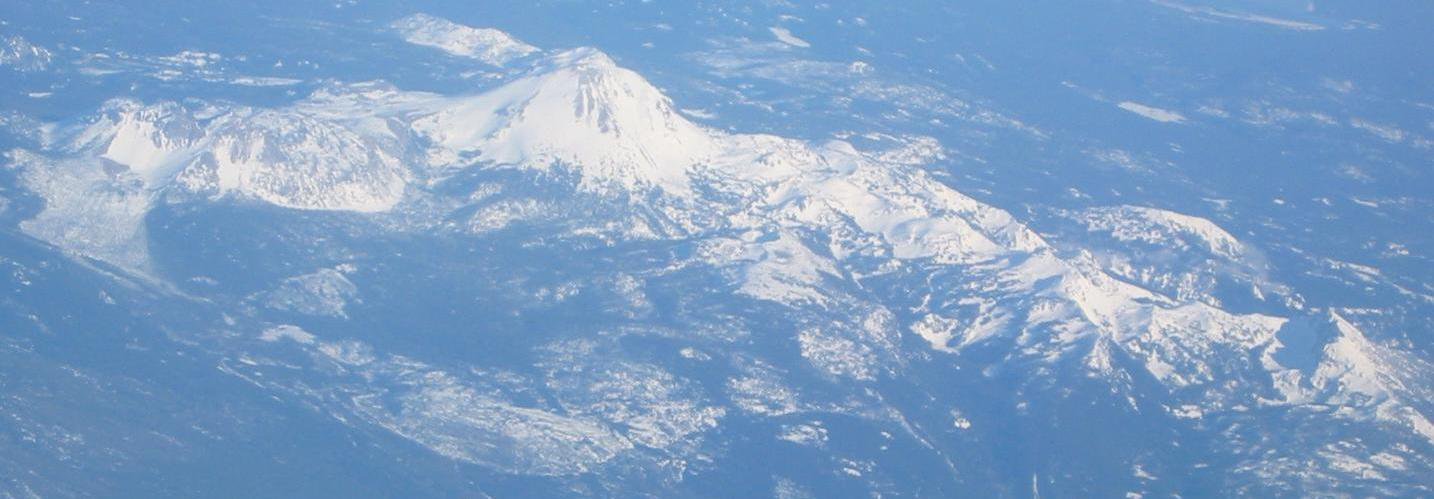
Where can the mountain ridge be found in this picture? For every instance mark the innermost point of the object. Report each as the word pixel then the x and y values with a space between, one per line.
pixel 858 253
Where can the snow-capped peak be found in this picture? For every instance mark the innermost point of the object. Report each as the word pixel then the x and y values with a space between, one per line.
pixel 151 141
pixel 1329 360
pixel 578 109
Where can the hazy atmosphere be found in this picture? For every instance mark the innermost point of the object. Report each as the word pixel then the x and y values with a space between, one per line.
pixel 1094 248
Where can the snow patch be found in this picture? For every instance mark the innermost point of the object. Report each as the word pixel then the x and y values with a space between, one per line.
pixel 287 332
pixel 488 45
pixel 1213 13
pixel 1154 113
pixel 785 35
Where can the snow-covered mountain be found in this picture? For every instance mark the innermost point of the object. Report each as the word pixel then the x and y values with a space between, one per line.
pixel 661 288
pixel 488 45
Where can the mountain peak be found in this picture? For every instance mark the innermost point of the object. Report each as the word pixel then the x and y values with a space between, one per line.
pixel 582 58
pixel 580 110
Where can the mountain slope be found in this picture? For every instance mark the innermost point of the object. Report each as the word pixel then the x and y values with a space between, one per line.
pixel 559 277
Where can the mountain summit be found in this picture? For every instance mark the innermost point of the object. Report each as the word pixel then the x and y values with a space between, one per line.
pixel 576 108
pixel 550 282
